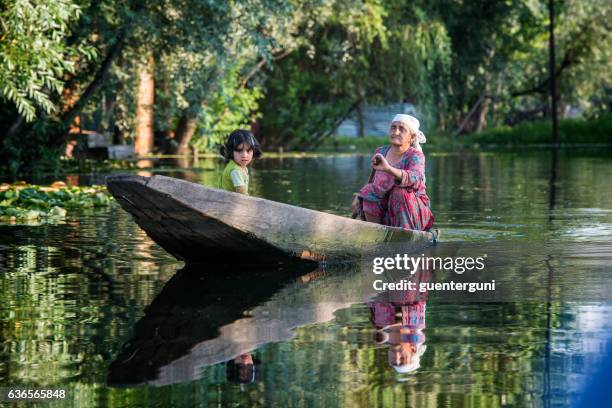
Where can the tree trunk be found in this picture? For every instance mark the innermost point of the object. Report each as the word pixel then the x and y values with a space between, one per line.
pixel 553 78
pixel 360 120
pixel 481 122
pixel 145 94
pixel 496 98
pixel 97 82
pixel 441 121
pixel 184 132
pixel 466 120
pixel 14 127
pixel 166 133
pixel 119 113
pixel 315 143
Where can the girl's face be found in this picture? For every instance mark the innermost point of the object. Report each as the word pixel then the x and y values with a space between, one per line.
pixel 243 154
pixel 400 135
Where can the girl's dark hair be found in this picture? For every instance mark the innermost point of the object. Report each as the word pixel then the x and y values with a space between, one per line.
pixel 235 139
pixel 241 373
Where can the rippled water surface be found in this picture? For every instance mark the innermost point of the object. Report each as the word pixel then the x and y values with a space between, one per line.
pixel 93 306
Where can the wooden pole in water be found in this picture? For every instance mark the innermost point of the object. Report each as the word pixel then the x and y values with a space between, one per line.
pixel 553 77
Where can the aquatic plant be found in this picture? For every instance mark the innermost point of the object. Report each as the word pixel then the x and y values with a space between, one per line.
pixel 20 201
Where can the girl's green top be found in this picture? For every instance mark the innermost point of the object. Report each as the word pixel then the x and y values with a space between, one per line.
pixel 234 176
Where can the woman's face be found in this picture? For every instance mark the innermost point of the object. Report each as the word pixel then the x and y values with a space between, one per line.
pixel 401 354
pixel 243 154
pixel 400 135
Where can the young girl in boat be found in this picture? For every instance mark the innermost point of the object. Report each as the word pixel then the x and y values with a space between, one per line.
pixel 397 196
pixel 238 151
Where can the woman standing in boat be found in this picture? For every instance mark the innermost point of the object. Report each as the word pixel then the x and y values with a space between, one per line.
pixel 396 194
pixel 238 151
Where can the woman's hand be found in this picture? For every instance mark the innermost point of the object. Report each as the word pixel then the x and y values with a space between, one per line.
pixel 380 163
pixel 355 206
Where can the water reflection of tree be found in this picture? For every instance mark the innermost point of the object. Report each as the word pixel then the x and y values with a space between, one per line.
pixel 467 366
pixel 480 355
pixel 68 293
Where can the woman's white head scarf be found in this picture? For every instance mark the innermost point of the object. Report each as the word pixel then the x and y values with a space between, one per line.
pixel 412 123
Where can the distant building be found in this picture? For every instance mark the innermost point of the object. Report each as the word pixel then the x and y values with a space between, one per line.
pixel 376 120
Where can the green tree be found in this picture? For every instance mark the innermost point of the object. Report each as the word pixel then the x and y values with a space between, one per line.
pixel 358 52
pixel 215 38
pixel 583 63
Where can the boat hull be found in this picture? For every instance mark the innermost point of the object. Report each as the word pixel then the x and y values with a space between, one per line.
pixel 199 224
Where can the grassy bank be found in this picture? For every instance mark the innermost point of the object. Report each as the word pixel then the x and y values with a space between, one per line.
pixel 571 132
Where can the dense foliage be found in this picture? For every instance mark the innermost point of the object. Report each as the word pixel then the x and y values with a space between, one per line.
pixel 35 54
pixel 362 52
pixel 293 68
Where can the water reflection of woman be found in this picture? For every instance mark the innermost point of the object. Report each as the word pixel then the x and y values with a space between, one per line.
pixel 399 319
pixel 406 337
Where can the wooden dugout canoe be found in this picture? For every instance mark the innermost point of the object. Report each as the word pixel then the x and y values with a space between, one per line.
pixel 199 224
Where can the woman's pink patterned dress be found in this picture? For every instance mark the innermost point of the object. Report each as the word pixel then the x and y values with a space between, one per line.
pixel 399 203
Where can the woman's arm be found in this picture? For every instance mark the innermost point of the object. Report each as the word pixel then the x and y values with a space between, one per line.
pixel 413 173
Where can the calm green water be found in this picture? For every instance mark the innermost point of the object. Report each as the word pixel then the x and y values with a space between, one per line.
pixel 93 306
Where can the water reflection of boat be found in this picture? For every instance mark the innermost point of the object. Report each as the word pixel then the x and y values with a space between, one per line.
pixel 202 318
pixel 200 224
pixel 191 308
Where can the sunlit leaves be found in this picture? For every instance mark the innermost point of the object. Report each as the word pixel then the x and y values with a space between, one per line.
pixel 33 52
